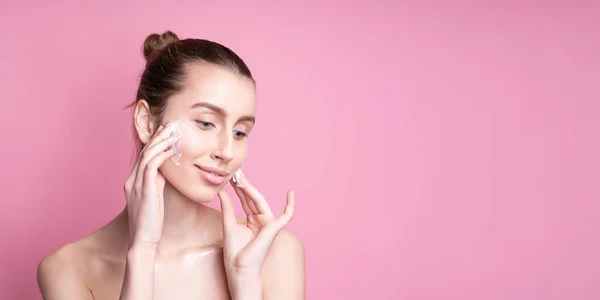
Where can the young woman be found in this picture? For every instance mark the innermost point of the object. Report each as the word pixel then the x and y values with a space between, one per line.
pixel 194 111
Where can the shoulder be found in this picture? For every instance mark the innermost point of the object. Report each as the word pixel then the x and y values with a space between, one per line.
pixel 58 274
pixel 288 244
pixel 59 262
pixel 284 268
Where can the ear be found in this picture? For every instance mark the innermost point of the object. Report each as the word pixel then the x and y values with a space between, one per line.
pixel 143 121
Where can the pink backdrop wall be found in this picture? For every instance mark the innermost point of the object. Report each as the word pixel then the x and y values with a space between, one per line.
pixel 439 151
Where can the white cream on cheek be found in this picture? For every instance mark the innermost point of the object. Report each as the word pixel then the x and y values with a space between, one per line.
pixel 175 129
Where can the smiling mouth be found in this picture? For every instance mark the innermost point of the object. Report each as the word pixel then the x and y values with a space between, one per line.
pixel 213 171
pixel 212 175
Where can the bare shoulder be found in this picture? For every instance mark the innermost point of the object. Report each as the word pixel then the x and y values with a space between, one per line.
pixel 68 272
pixel 286 252
pixel 58 263
pixel 58 274
pixel 288 244
pixel 284 269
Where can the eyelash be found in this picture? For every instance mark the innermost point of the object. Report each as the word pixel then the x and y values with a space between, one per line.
pixel 244 135
pixel 204 125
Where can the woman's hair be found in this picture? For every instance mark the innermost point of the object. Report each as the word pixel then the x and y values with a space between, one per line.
pixel 168 60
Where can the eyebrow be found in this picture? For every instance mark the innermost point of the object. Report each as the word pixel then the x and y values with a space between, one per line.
pixel 221 111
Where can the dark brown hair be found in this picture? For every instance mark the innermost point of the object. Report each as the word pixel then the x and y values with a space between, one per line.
pixel 168 60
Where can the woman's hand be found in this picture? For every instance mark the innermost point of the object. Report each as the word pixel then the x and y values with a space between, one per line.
pixel 246 245
pixel 144 189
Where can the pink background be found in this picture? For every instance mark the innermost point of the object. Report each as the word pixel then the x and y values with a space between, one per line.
pixel 439 151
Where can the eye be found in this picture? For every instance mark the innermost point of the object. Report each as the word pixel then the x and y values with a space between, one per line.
pixel 239 135
pixel 205 125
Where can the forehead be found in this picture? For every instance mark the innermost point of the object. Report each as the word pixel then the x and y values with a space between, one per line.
pixel 219 86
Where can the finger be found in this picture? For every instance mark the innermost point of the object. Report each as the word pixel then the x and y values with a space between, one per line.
pixel 227 210
pixel 153 140
pixel 149 154
pixel 169 129
pixel 240 192
pixel 255 196
pixel 247 210
pixel 151 170
pixel 160 189
pixel 160 181
pixel 250 203
pixel 153 137
pixel 259 247
pixel 134 171
pixel 162 145
pixel 261 244
pixel 130 183
pixel 257 200
pixel 130 179
pixel 288 212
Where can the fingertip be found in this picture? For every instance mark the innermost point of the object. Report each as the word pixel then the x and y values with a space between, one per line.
pixel 289 208
pixel 220 194
pixel 285 218
pixel 222 201
pixel 224 197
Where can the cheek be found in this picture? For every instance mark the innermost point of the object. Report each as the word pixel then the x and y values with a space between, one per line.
pixel 241 154
pixel 193 143
pixel 194 146
pixel 245 152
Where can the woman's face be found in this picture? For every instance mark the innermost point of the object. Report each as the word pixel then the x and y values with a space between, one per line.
pixel 215 113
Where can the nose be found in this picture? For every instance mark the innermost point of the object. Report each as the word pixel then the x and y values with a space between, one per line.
pixel 224 148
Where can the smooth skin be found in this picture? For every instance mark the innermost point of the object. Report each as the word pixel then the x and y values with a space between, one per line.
pixel 166 244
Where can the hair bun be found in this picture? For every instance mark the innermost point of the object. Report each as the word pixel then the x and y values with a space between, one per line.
pixel 156 42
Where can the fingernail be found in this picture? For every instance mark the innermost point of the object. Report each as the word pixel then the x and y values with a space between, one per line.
pixel 175 158
pixel 175 146
pixel 237 178
pixel 242 176
pixel 169 129
pixel 174 129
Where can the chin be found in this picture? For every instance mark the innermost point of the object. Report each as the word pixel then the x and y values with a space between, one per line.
pixel 200 193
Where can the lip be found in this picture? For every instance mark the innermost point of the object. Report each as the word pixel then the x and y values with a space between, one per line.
pixel 213 170
pixel 213 175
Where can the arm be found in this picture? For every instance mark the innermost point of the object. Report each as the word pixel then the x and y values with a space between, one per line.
pixel 284 271
pixel 57 279
pixel 139 273
pixel 282 276
pixel 247 247
pixel 144 190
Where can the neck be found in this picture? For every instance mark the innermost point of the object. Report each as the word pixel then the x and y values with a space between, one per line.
pixel 186 224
